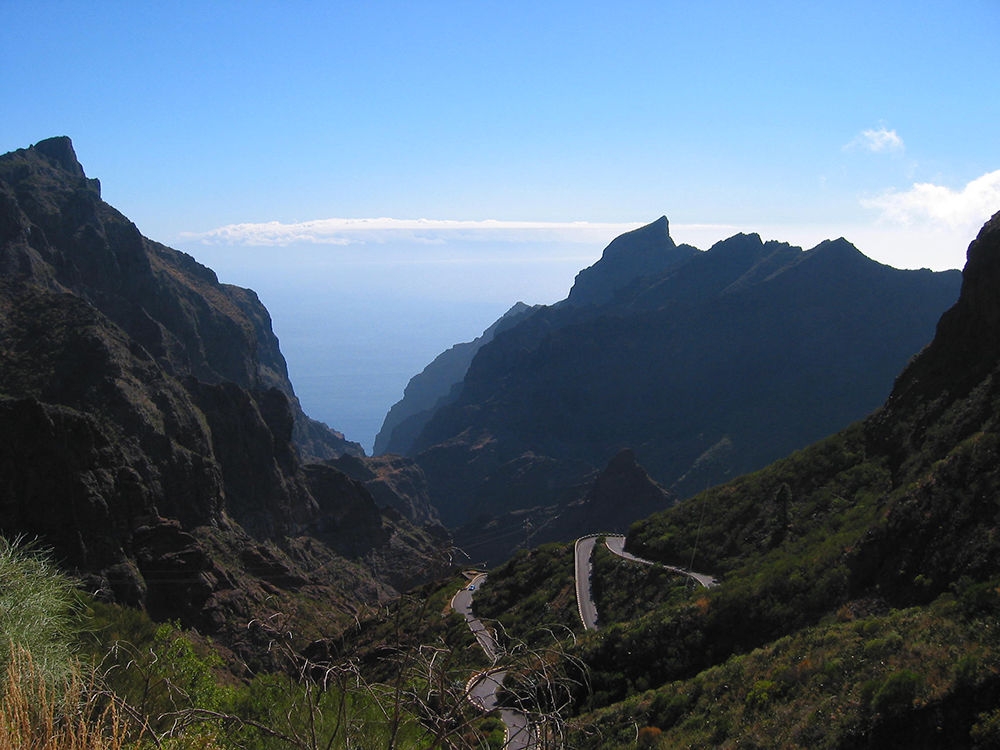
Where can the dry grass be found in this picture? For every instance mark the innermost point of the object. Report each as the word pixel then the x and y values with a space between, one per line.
pixel 35 716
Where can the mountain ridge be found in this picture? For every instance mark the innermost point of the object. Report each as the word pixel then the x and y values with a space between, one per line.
pixel 758 347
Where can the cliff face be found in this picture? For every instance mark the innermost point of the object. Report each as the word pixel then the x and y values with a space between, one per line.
pixel 146 417
pixel 706 364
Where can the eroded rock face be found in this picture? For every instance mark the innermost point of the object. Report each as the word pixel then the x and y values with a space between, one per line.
pixel 147 423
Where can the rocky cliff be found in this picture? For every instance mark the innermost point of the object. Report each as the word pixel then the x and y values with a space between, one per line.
pixel 147 420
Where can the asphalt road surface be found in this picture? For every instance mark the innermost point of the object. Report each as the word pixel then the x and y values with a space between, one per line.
pixel 483 689
pixel 584 569
pixel 616 543
pixel 484 694
pixel 462 603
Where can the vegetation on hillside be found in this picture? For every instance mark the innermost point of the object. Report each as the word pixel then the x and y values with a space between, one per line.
pixel 859 599
pixel 890 680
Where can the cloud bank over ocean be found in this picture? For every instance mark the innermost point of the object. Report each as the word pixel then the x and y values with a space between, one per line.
pixel 422 231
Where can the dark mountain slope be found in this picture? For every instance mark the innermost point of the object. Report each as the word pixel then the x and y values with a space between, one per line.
pixel 742 260
pixel 942 421
pixel 147 421
pixel 577 504
pixel 709 368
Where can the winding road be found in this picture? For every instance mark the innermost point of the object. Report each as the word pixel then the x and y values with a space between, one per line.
pixel 462 603
pixel 584 549
pixel 482 688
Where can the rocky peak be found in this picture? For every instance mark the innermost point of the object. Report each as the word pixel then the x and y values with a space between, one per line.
pixel 59 152
pixel 630 256
pixel 837 251
pixel 978 307
pixel 738 246
pixel 625 483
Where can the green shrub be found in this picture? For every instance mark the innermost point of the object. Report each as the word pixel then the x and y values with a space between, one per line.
pixel 761 694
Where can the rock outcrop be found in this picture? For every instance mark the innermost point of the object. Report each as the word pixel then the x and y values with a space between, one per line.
pixel 393 481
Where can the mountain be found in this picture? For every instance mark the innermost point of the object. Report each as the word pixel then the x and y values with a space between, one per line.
pixel 859 579
pixel 147 423
pixel 705 364
pixel 431 388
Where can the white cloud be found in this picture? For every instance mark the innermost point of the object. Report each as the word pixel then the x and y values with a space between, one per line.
pixel 877 141
pixel 419 231
pixel 940 206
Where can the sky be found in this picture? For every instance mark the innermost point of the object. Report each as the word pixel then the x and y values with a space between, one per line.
pixel 391 176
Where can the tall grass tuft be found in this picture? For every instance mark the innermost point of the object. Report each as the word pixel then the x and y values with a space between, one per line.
pixel 36 607
pixel 35 716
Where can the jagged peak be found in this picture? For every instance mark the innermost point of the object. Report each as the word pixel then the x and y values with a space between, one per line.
pixel 839 247
pixel 655 231
pixel 60 153
pixel 642 251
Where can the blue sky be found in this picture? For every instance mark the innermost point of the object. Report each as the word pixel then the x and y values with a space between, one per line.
pixel 561 122
pixel 200 115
